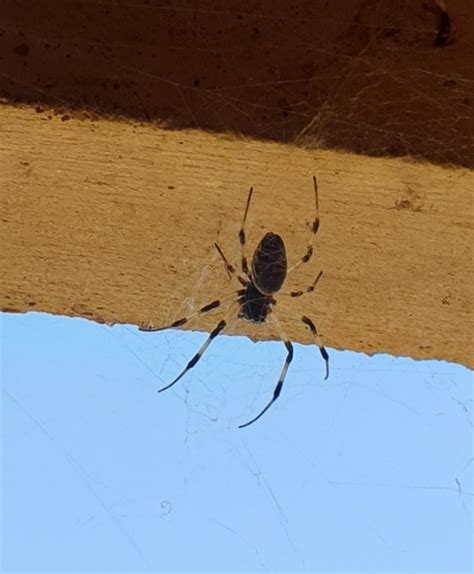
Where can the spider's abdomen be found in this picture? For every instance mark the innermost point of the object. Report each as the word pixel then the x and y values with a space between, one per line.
pixel 254 305
pixel 269 264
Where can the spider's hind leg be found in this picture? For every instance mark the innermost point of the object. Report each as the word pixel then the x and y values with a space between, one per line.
pixel 309 289
pixel 242 236
pixel 230 268
pixel 314 230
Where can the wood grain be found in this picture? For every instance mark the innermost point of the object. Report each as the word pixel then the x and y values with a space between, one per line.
pixel 116 221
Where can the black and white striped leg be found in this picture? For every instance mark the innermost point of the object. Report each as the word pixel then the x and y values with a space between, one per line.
pixel 183 320
pixel 242 237
pixel 314 229
pixel 281 378
pixel 198 355
pixel 230 268
pixel 312 327
pixel 309 289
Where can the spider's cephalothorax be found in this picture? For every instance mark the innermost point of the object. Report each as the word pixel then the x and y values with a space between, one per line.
pixel 254 305
pixel 268 272
pixel 269 267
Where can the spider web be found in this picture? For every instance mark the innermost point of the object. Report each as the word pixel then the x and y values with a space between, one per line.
pixel 351 459
pixel 385 442
pixel 328 451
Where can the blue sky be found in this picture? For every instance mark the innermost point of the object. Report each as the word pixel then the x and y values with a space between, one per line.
pixel 371 470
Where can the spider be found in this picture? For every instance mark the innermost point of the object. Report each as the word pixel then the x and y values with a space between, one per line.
pixel 255 298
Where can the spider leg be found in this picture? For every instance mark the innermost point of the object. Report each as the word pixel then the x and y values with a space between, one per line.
pixel 183 320
pixel 309 289
pixel 314 229
pixel 230 268
pixel 242 237
pixel 281 378
pixel 220 326
pixel 312 327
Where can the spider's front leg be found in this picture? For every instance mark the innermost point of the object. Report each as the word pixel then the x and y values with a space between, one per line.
pixel 281 378
pixel 220 326
pixel 180 322
pixel 312 327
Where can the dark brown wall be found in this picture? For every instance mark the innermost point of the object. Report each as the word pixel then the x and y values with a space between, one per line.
pixel 388 77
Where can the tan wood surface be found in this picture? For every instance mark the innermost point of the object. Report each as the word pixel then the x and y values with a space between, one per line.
pixel 116 221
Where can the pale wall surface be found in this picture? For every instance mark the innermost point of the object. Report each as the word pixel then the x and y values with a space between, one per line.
pixel 101 473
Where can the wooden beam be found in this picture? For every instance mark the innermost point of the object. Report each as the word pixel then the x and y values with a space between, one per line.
pixel 116 221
